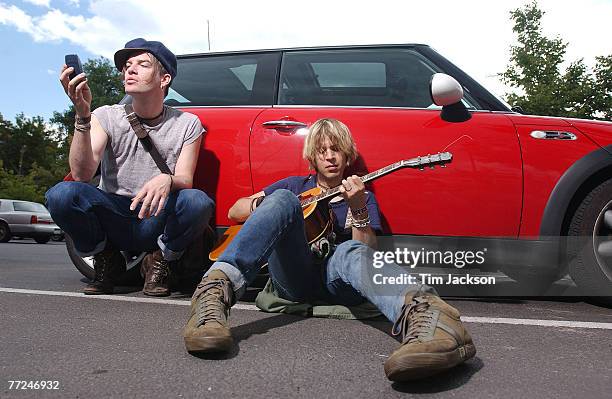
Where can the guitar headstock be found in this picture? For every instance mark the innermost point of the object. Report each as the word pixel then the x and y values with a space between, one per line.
pixel 441 158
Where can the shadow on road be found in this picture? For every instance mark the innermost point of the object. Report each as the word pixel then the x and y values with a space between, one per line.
pixel 247 330
pixel 446 381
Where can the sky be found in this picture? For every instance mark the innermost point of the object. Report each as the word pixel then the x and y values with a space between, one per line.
pixel 475 35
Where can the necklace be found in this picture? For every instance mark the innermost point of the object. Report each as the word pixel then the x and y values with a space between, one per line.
pixel 322 186
pixel 155 120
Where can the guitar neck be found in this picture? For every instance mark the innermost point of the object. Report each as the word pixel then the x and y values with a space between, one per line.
pixel 366 178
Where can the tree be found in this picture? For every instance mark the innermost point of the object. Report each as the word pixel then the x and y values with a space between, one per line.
pixel 19 187
pixel 543 88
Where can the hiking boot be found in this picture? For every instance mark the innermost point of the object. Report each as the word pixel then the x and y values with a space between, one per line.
pixel 433 339
pixel 108 266
pixel 155 271
pixel 208 328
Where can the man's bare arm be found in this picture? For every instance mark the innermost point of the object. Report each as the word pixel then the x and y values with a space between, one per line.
pixel 186 165
pixel 86 151
pixel 241 210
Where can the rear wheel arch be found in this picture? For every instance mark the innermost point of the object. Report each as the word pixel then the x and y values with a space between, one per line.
pixel 575 184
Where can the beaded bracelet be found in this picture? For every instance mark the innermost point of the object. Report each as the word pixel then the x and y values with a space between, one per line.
pixel 359 225
pixel 363 222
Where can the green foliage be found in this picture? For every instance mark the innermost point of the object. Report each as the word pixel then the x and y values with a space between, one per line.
pixel 543 88
pixel 19 187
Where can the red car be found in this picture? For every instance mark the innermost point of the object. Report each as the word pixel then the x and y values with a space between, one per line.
pixel 537 189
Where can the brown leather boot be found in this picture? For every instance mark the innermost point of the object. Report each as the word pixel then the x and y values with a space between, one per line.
pixel 208 328
pixel 108 265
pixel 155 270
pixel 433 339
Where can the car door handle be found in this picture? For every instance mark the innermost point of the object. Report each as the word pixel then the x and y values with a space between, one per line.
pixel 284 127
pixel 552 135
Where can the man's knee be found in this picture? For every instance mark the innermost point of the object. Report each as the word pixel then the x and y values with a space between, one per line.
pixel 196 202
pixel 349 257
pixel 60 197
pixel 284 200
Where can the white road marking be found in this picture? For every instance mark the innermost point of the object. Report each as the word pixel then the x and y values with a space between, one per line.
pixel 467 319
pixel 115 298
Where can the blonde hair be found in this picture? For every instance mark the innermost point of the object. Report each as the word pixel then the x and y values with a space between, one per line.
pixel 337 132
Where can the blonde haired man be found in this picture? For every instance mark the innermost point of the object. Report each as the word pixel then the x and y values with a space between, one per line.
pixel 433 337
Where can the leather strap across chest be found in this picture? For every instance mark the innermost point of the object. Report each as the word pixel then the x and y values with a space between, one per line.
pixel 145 140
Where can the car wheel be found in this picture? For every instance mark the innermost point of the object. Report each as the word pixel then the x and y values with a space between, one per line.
pixel 5 232
pixel 589 243
pixel 42 239
pixel 85 264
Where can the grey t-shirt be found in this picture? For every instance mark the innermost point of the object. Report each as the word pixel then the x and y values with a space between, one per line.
pixel 126 166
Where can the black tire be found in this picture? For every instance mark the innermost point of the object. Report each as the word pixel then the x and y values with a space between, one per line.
pixel 42 239
pixel 589 243
pixel 85 265
pixel 82 266
pixel 5 232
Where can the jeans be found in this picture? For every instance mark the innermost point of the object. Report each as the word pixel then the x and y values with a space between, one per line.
pixel 94 218
pixel 274 233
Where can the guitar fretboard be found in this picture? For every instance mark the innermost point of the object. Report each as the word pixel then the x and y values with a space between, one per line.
pixel 365 178
pixel 418 162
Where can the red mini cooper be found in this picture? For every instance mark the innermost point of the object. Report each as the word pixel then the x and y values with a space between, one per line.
pixel 536 191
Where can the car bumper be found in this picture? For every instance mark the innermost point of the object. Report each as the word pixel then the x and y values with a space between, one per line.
pixel 35 230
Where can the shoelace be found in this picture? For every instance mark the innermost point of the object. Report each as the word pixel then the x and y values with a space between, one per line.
pixel 415 320
pixel 213 301
pixel 160 271
pixel 101 265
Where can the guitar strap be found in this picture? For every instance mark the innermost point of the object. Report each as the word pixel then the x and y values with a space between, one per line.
pixel 145 140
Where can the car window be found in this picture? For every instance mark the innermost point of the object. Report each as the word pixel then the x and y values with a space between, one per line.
pixel 29 207
pixel 242 79
pixel 392 77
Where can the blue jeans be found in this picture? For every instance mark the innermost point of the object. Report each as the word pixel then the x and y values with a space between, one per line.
pixel 274 233
pixel 93 218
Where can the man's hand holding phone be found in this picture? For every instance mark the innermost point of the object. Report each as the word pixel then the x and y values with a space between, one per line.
pixel 75 85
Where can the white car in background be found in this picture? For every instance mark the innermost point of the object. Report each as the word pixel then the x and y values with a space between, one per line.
pixel 26 219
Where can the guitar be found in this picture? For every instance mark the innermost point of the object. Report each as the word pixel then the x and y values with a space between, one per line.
pixel 319 219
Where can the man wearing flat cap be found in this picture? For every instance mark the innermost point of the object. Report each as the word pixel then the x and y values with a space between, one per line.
pixel 136 206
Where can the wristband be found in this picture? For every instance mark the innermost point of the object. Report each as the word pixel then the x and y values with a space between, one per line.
pixel 83 128
pixel 255 202
pixel 82 121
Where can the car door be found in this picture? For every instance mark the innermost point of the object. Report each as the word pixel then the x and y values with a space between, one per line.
pixel 383 97
pixel 227 92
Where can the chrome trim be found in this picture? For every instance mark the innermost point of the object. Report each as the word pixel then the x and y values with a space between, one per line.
pixel 283 124
pixel 552 135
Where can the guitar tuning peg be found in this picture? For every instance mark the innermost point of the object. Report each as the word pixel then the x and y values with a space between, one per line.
pixel 421 168
pixel 432 166
pixel 443 165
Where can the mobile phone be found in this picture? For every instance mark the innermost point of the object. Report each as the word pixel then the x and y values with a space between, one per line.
pixel 72 60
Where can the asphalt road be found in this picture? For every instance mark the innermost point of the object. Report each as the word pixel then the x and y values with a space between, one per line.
pixel 124 347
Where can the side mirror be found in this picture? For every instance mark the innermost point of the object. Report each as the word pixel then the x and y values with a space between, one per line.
pixel 445 91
